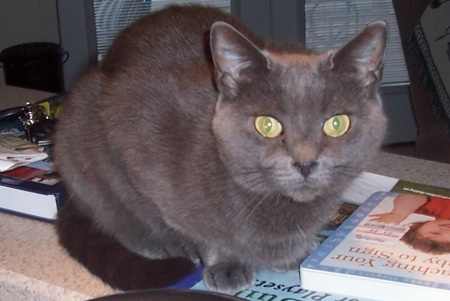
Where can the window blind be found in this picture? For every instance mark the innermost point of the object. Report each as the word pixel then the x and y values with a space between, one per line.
pixel 332 23
pixel 111 16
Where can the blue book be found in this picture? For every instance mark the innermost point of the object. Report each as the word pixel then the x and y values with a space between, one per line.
pixel 375 254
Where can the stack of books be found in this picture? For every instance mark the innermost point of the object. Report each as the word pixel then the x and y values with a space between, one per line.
pixel 28 183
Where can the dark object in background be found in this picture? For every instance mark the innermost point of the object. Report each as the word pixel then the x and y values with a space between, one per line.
pixel 168 295
pixel 432 143
pixel 37 66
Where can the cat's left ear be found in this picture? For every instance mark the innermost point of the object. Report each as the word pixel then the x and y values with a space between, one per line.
pixel 236 59
pixel 364 54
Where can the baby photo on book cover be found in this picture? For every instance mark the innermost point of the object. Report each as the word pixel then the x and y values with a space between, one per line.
pixel 423 219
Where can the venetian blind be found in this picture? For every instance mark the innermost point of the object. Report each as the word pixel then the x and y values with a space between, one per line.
pixel 332 23
pixel 111 16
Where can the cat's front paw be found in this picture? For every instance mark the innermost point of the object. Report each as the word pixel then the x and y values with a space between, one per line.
pixel 228 277
pixel 186 250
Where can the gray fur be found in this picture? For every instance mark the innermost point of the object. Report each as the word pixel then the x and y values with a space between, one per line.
pixel 158 145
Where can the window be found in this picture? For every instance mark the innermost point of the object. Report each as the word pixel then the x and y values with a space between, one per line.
pixel 332 23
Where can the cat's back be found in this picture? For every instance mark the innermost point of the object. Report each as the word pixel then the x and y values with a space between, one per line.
pixel 162 65
pixel 156 77
pixel 174 35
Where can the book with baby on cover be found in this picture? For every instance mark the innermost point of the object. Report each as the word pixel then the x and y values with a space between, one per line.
pixel 395 246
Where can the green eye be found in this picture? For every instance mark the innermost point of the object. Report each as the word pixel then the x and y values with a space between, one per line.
pixel 268 126
pixel 336 126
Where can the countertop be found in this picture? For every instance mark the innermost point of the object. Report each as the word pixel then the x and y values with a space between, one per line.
pixel 14 96
pixel 34 267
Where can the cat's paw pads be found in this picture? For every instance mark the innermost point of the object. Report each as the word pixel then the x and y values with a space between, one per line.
pixel 228 277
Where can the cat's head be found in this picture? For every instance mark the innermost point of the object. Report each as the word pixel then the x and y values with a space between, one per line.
pixel 298 124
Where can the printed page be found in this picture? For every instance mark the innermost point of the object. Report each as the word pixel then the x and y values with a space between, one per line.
pixel 283 286
pixel 15 152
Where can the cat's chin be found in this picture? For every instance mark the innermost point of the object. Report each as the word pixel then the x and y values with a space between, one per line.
pixel 301 190
pixel 306 195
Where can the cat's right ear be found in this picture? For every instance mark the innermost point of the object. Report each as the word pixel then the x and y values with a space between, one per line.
pixel 236 59
pixel 363 56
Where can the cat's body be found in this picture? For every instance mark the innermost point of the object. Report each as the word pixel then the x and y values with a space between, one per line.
pixel 164 157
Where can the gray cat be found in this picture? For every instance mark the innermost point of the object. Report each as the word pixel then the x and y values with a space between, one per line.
pixel 195 142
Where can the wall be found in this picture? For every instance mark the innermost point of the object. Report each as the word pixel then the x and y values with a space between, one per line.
pixel 402 126
pixel 77 32
pixel 272 19
pixel 24 21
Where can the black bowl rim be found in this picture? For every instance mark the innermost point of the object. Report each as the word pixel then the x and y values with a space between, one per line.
pixel 162 294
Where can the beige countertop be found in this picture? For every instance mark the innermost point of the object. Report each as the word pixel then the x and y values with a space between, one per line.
pixel 14 97
pixel 34 267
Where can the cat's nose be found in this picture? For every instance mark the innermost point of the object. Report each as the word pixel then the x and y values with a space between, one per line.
pixel 305 167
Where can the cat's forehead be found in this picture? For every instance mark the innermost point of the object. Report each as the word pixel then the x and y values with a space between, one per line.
pixel 308 85
pixel 301 59
pixel 300 71
pixel 301 75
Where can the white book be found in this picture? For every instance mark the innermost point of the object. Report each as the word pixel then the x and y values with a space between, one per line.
pixel 368 258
